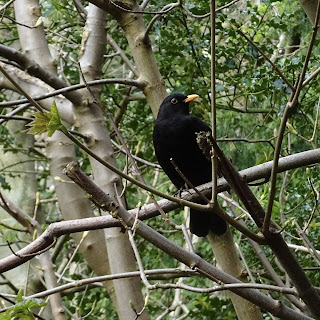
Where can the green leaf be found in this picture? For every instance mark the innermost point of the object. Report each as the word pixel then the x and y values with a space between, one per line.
pixel 55 120
pixel 21 310
pixel 47 122
pixel 34 303
pixel 39 124
pixel 19 296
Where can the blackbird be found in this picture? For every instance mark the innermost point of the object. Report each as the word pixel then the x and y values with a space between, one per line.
pixel 174 137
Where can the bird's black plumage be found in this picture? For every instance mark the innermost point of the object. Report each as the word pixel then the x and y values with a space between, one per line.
pixel 174 137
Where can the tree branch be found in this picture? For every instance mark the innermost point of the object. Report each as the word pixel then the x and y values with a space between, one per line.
pixel 34 69
pixel 293 101
pixel 274 239
pixel 148 211
pixel 190 259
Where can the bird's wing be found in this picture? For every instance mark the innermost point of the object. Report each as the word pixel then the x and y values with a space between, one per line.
pixel 198 125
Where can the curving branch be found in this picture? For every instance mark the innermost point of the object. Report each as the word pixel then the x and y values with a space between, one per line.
pixel 64 91
pixel 156 274
pixel 292 103
pixel 122 54
pixel 57 229
pixel 34 69
pixel 274 66
pixel 106 203
pixel 167 8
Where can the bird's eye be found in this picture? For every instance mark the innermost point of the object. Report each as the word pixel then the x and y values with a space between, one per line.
pixel 174 101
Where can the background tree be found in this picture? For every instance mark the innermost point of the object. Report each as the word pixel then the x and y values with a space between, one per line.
pixel 141 52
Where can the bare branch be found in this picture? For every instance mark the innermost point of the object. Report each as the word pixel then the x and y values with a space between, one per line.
pixel 122 55
pixel 274 66
pixel 6 5
pixel 148 163
pixel 151 274
pixel 224 287
pixel 67 227
pixel 290 105
pixel 67 89
pixel 19 89
pixel 53 80
pixel 106 203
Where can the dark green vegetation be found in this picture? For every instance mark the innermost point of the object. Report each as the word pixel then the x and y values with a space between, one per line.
pixel 251 98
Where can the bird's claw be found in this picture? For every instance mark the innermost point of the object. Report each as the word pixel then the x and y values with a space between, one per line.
pixel 179 192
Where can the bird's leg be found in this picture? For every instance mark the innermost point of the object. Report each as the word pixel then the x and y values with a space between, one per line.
pixel 184 188
pixel 187 183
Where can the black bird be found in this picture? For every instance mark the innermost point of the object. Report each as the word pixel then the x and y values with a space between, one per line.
pixel 174 137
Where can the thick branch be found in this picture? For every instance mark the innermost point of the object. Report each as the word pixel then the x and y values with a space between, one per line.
pixel 67 227
pixel 34 69
pixel 192 260
pixel 274 239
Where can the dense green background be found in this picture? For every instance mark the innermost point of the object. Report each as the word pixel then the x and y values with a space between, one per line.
pixel 251 98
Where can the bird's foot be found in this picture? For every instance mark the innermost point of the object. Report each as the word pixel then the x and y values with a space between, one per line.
pixel 179 192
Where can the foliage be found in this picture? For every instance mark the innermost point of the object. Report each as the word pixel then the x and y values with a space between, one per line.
pixel 21 310
pixel 251 98
pixel 47 122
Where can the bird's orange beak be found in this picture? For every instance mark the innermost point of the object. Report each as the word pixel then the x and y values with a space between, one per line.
pixel 191 97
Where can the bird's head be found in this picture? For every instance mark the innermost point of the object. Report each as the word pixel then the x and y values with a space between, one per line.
pixel 177 103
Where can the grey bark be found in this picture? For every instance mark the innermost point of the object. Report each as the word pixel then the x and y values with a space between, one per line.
pixel 28 13
pixel 90 123
pixel 228 260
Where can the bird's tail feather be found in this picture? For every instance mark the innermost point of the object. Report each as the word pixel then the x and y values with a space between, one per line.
pixel 203 222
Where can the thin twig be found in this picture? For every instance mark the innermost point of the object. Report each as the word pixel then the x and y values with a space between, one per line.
pixel 148 163
pixel 8 117
pixel 274 66
pixel 165 9
pixel 291 104
pixel 20 90
pixel 6 5
pixel 141 269
pixel 85 233
pixel 315 207
pixel 135 181
pixel 122 54
pixel 140 12
pixel 19 215
pixel 224 287
pixel 130 82
pixel 315 123
pixel 133 274
pixel 187 181
pixel 312 76
pixel 213 99
pixel 187 237
pixel 206 15
pixel 12 228
pixel 34 253
pixel 308 243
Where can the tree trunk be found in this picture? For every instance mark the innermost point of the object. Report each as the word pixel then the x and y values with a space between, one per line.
pixel 90 119
pixel 228 260
pixel 28 13
pixel 141 50
pixel 310 8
